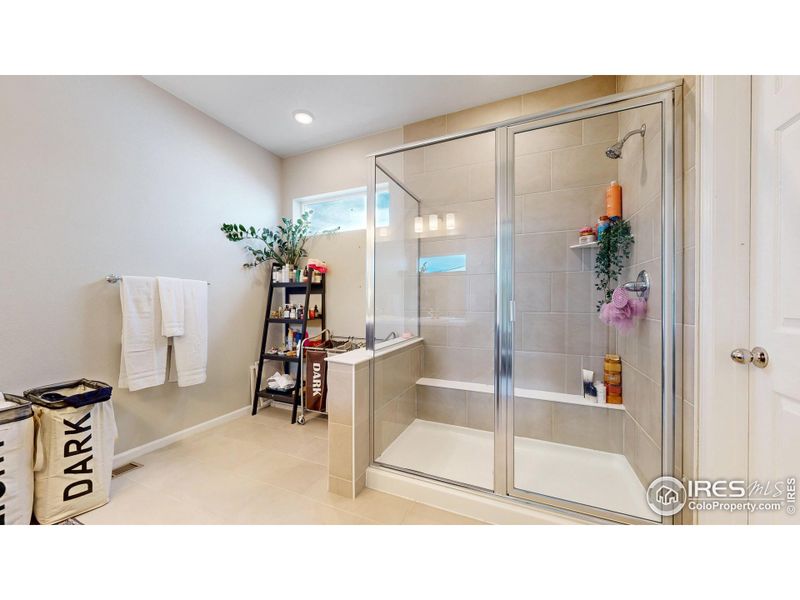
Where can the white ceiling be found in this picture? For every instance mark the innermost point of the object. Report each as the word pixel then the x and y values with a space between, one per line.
pixel 260 107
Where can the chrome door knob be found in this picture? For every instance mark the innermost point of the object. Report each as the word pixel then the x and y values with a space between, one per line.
pixel 758 356
pixel 742 356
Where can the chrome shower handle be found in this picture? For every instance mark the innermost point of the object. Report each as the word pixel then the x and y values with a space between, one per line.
pixel 640 287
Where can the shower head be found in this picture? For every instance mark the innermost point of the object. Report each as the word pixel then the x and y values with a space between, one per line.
pixel 615 151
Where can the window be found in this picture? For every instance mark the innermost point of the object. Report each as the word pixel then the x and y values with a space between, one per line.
pixel 346 210
pixel 451 263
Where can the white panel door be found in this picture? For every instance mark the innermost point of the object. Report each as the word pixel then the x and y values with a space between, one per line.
pixel 775 285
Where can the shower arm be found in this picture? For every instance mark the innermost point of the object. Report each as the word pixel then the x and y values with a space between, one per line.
pixel 640 131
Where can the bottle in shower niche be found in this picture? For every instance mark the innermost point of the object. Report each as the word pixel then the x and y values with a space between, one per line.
pixel 601 391
pixel 614 201
pixel 612 377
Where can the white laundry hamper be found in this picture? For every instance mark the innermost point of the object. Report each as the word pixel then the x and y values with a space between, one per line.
pixel 16 460
pixel 75 434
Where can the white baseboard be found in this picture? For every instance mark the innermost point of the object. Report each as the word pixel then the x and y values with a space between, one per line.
pixel 134 453
pixel 495 510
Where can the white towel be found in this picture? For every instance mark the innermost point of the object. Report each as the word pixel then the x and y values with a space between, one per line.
pixel 170 292
pixel 190 350
pixel 144 350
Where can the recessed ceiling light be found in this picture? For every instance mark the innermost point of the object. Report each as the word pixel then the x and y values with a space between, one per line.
pixel 303 117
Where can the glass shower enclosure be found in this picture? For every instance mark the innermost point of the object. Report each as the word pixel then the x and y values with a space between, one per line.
pixel 485 300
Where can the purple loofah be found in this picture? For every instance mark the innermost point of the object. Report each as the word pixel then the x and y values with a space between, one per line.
pixel 639 306
pixel 623 311
pixel 620 298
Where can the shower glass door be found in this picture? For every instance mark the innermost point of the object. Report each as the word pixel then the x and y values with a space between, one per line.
pixel 563 447
pixel 434 310
pixel 485 303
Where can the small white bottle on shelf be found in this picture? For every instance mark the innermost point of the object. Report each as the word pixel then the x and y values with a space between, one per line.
pixel 601 392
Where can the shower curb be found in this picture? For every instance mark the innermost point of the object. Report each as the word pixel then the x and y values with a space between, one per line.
pixel 494 510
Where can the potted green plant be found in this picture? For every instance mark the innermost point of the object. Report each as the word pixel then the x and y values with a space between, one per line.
pixel 284 245
pixel 615 245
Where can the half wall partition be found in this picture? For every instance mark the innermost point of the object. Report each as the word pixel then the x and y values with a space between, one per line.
pixel 483 306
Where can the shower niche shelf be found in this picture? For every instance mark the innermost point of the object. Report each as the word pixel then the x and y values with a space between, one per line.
pixel 484 388
pixel 589 245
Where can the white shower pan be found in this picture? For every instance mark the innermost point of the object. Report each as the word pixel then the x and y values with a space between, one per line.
pixel 595 478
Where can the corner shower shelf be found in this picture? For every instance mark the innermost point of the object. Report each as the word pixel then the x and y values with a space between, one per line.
pixel 589 245
pixel 518 392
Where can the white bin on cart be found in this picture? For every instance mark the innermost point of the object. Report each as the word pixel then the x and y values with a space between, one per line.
pixel 75 433
pixel 16 460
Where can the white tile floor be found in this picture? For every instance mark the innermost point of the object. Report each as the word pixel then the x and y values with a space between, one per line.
pixel 254 470
pixel 465 455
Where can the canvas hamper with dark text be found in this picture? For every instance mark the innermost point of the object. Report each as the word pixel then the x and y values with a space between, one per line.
pixel 75 433
pixel 16 460
pixel 316 379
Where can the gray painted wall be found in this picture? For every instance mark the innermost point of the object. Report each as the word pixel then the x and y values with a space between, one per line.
pixel 113 174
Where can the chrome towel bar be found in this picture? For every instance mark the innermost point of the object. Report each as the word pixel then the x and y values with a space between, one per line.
pixel 111 278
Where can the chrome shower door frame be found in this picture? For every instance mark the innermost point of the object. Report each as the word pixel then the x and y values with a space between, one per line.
pixel 504 336
pixel 667 95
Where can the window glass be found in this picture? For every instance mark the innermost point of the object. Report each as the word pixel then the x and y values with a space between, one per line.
pixel 382 204
pixel 345 211
pixel 451 263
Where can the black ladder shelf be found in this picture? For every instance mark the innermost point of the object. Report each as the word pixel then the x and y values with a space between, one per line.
pixel 294 288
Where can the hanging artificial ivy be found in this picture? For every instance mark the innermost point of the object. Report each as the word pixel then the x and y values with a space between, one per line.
pixel 615 245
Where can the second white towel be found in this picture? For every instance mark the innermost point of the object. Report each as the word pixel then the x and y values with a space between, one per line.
pixel 170 292
pixel 184 308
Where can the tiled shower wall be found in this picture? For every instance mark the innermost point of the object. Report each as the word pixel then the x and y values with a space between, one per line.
pixel 561 175
pixel 537 424
pixel 561 179
pixel 395 393
pixel 457 308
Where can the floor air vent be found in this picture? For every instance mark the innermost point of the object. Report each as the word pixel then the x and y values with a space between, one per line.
pixel 127 467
